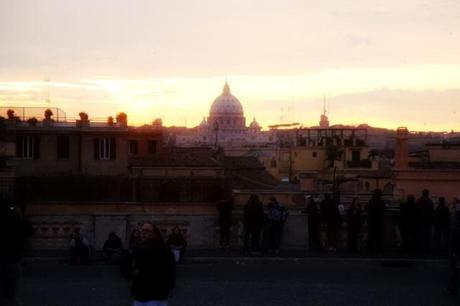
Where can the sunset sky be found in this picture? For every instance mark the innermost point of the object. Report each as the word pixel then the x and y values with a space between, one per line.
pixel 383 62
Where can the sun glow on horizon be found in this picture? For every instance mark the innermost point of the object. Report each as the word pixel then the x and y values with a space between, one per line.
pixel 271 99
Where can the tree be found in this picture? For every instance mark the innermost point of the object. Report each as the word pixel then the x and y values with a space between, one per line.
pixel 333 153
pixel 110 120
pixel 83 116
pixel 48 114
pixel 10 114
pixel 122 117
pixel 32 121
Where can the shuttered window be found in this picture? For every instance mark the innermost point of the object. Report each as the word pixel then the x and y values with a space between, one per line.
pixel 28 147
pixel 105 149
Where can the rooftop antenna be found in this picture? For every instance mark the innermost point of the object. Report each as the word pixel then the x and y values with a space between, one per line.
pixel 324 105
pixel 48 99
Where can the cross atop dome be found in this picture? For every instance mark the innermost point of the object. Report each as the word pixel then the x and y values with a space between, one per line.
pixel 226 90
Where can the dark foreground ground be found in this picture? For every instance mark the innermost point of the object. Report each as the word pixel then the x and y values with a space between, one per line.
pixel 209 281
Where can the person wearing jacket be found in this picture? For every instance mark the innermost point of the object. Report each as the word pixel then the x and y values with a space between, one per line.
pixel 253 222
pixel 14 230
pixel 151 268
pixel 276 217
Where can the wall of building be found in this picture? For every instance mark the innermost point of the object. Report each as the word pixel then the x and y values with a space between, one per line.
pixel 441 183
pixel 308 159
pixel 48 164
pixel 444 154
pixel 92 166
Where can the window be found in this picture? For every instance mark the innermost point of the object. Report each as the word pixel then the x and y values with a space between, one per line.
pixel 355 156
pixel 314 154
pixel 63 145
pixel 104 148
pixel 28 147
pixel 152 146
pixel 133 147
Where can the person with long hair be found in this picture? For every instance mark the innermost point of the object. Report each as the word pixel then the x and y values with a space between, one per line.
pixel 151 268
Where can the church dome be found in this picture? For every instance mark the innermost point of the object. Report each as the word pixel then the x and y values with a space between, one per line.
pixel 204 123
pixel 254 124
pixel 226 104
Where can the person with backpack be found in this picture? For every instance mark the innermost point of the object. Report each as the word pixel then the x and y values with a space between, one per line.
pixel 276 217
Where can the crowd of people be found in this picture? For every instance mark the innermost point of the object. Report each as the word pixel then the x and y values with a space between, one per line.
pixel 149 259
pixel 260 223
pixel 422 227
pixel 263 227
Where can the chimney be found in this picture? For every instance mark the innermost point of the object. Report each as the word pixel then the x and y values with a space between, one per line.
pixel 402 149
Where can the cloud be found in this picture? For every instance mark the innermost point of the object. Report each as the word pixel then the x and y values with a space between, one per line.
pixel 358 40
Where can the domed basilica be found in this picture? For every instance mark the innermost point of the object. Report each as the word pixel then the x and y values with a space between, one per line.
pixel 225 125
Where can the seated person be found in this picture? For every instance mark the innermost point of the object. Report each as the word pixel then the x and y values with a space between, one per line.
pixel 79 248
pixel 112 249
pixel 176 243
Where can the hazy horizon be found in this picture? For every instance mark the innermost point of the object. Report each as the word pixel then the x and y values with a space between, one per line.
pixel 384 63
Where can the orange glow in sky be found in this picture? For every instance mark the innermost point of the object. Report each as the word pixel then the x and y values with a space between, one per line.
pixel 386 63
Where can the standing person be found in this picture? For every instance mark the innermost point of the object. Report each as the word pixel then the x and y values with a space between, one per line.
pixel 354 224
pixel 376 218
pixel 225 208
pixel 79 248
pixel 151 268
pixel 14 230
pixel 112 249
pixel 314 225
pixel 253 221
pixel 331 217
pixel 276 217
pixel 425 207
pixel 176 243
pixel 408 224
pixel 441 225
pixel 454 256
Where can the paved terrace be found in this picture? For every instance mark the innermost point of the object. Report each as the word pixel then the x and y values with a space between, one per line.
pixel 208 279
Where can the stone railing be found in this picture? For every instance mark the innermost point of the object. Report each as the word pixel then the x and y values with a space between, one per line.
pixel 52 232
